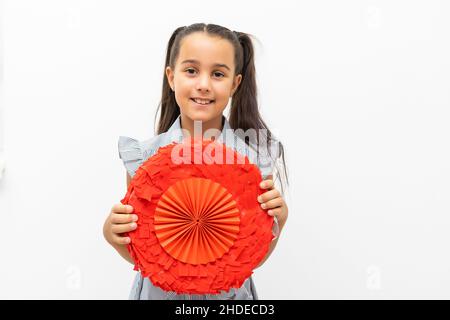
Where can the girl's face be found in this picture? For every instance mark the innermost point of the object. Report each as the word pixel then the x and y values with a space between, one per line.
pixel 203 77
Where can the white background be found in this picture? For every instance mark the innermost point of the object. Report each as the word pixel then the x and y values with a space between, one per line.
pixel 358 92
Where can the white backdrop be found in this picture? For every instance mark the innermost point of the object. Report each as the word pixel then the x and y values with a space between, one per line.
pixel 358 92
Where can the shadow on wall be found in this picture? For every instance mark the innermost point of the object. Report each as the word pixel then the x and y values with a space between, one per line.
pixel 2 165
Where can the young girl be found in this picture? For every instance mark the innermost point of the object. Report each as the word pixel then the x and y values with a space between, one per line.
pixel 205 66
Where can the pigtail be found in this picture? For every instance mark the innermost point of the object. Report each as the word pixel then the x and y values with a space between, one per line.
pixel 244 112
pixel 168 106
pixel 244 102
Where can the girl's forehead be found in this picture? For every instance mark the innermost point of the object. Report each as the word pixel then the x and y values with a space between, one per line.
pixel 206 49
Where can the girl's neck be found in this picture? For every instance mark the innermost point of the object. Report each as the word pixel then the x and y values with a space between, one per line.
pixel 188 124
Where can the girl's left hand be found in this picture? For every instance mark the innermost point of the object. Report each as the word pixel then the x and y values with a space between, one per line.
pixel 273 202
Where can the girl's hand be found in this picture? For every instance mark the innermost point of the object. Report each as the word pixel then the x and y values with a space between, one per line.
pixel 273 202
pixel 120 220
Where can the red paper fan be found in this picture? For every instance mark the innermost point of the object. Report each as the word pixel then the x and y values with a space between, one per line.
pixel 196 220
pixel 200 228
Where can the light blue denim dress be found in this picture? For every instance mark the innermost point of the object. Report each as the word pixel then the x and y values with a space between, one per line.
pixel 134 153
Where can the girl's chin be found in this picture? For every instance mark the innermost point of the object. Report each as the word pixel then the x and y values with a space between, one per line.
pixel 195 116
pixel 203 116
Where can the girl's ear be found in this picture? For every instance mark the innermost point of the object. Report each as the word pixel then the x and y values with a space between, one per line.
pixel 236 83
pixel 169 74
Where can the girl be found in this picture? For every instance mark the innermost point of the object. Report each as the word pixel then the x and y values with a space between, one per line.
pixel 205 66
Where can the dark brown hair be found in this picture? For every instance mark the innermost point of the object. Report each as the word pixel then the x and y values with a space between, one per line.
pixel 244 111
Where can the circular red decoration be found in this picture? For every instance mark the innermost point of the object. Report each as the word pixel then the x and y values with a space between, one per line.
pixel 200 227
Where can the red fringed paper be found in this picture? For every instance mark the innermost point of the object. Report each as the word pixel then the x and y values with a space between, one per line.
pixel 201 229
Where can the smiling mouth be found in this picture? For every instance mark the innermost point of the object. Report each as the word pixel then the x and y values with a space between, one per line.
pixel 202 102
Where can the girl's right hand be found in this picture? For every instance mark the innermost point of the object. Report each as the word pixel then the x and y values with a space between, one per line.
pixel 120 220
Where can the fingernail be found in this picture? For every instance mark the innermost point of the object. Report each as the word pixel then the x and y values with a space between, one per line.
pixel 263 205
pixel 261 184
pixel 135 217
pixel 259 199
pixel 133 225
pixel 270 213
pixel 127 240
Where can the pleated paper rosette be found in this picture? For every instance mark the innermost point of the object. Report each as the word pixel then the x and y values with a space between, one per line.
pixel 200 227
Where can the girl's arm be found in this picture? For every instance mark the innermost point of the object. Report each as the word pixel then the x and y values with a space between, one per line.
pixel 120 220
pixel 275 205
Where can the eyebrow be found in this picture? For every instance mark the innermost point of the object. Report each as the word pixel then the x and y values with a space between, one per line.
pixel 214 65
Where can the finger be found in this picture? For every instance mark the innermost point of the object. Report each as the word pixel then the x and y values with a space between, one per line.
pixel 122 208
pixel 120 240
pixel 274 203
pixel 123 218
pixel 269 195
pixel 274 212
pixel 121 228
pixel 266 184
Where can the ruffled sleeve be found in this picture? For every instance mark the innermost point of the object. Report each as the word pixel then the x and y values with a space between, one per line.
pixel 131 153
pixel 267 158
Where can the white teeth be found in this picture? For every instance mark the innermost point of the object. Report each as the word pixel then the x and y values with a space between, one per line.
pixel 201 101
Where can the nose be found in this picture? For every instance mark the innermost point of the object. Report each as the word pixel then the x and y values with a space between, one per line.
pixel 203 83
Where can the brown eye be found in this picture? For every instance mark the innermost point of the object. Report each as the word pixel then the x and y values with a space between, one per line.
pixel 189 71
pixel 219 74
